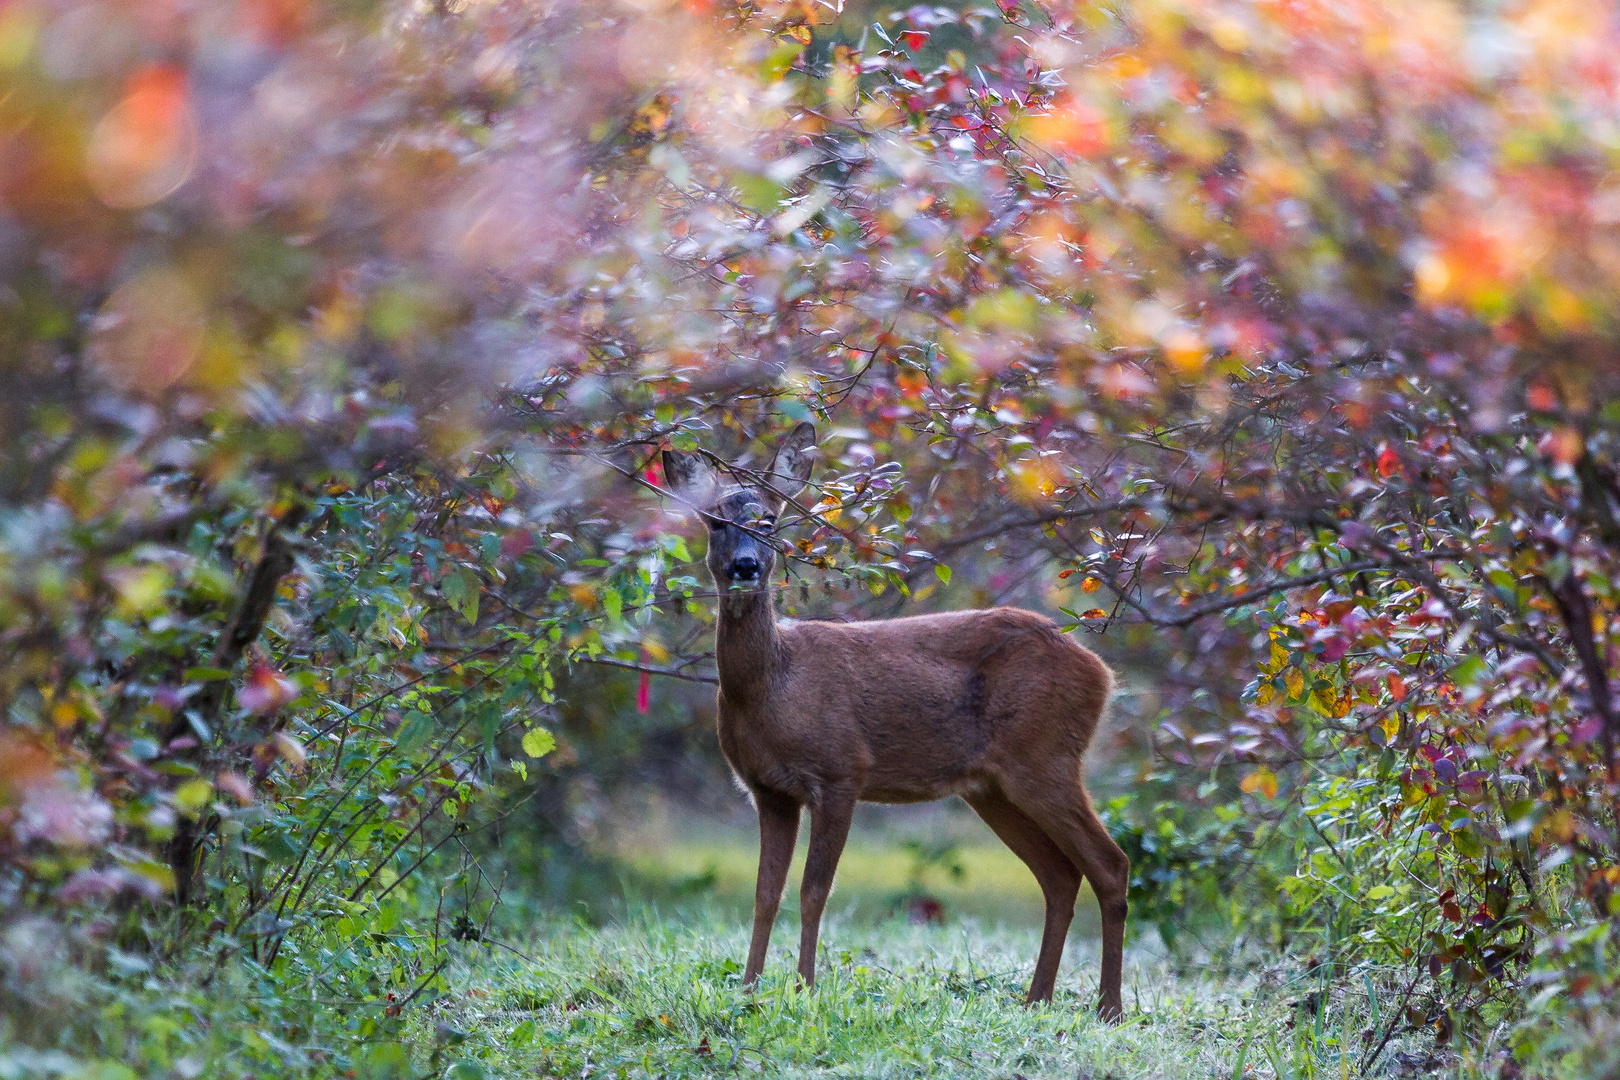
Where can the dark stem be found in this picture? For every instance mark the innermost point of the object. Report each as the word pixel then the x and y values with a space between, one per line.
pixel 242 631
pixel 1576 611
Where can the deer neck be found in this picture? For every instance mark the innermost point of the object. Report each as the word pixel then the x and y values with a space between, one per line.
pixel 747 648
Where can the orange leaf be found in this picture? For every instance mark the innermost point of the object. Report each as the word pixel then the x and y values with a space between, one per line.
pixel 1261 780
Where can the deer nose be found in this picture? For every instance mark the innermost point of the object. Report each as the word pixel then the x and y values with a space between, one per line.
pixel 745 567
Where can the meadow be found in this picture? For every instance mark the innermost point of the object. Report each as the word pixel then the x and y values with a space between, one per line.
pixel 641 978
pixel 647 984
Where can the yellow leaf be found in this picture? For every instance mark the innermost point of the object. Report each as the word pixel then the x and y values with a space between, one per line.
pixel 538 742
pixel 191 796
pixel 152 870
pixel 1326 702
pixel 1295 681
pixel 1090 585
pixel 290 748
pixel 140 590
pixel 1392 727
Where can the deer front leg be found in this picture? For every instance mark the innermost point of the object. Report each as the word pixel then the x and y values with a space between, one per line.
pixel 778 829
pixel 830 818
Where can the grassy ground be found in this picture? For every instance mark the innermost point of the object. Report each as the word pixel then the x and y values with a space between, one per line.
pixel 658 995
pixel 654 991
pixel 648 985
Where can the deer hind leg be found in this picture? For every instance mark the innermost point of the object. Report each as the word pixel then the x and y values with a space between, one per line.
pixel 830 817
pixel 778 829
pixel 1067 816
pixel 1056 874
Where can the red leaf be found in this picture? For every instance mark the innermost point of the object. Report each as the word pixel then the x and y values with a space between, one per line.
pixel 265 690
pixel 1389 463
pixel 914 39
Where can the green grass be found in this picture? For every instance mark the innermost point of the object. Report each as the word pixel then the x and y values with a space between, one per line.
pixel 655 990
pixel 677 857
pixel 995 887
pixel 647 985
pixel 658 995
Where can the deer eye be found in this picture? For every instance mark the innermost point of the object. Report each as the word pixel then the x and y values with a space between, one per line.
pixel 716 524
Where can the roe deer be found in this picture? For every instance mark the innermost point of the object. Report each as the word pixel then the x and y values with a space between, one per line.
pixel 997 706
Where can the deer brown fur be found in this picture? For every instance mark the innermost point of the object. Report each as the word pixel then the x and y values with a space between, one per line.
pixel 996 706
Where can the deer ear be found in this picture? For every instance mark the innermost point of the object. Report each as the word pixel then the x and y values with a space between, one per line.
pixel 795 457
pixel 690 478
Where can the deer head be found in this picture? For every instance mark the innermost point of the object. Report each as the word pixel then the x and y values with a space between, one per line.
pixel 742 515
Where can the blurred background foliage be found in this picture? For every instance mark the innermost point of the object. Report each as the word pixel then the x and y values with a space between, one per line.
pixel 1269 346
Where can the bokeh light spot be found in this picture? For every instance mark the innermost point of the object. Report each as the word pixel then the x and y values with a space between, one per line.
pixel 146 146
pixel 150 332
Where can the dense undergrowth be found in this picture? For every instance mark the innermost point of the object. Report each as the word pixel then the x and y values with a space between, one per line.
pixel 656 992
pixel 637 987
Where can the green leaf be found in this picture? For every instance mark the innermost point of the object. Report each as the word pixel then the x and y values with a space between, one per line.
pixel 471 588
pixel 760 194
pixel 105 1070
pixel 942 572
pixel 538 742
pixel 152 870
pixel 1469 671
pixel 612 602
pixel 205 674
pixel 454 589
pixel 414 733
pixel 1379 892
pixel 780 60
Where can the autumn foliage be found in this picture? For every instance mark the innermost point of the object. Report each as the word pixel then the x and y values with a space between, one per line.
pixel 1273 342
